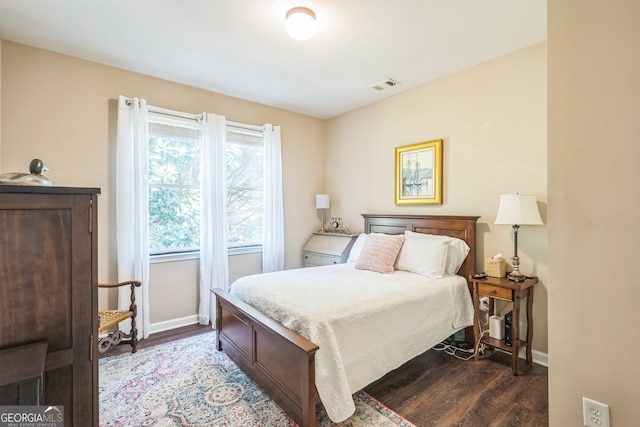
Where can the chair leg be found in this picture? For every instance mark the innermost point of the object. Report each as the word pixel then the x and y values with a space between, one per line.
pixel 134 309
pixel 134 335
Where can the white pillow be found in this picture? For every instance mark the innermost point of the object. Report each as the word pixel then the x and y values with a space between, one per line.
pixel 356 248
pixel 456 253
pixel 427 257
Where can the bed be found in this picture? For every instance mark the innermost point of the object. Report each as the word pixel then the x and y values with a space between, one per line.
pixel 286 363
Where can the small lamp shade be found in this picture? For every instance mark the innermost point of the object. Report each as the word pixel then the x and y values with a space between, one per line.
pixel 518 209
pixel 322 201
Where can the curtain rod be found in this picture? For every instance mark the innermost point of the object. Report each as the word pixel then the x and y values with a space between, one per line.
pixel 192 116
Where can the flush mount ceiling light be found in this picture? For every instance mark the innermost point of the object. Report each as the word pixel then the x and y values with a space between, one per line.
pixel 301 23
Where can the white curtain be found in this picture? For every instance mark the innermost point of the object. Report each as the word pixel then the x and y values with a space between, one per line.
pixel 273 239
pixel 214 260
pixel 132 206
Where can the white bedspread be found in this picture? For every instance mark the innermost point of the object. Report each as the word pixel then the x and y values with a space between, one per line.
pixel 365 323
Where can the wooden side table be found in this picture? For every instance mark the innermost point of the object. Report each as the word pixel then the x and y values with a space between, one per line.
pixel 505 290
pixel 25 372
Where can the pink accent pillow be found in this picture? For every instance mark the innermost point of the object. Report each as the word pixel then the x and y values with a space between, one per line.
pixel 379 253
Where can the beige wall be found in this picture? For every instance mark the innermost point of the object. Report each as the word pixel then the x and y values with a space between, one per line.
pixel 493 121
pixel 594 205
pixel 0 102
pixel 490 119
pixel 63 110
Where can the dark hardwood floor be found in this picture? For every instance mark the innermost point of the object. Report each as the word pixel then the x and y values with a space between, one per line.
pixel 436 389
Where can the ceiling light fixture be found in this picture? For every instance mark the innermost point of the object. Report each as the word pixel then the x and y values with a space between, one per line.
pixel 301 23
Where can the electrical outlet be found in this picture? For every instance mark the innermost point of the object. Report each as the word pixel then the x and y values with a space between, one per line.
pixel 595 414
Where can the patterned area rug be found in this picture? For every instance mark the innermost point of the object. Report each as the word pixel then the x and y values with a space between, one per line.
pixel 189 383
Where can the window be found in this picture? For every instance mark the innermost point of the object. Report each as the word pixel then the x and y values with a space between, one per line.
pixel 174 185
pixel 245 186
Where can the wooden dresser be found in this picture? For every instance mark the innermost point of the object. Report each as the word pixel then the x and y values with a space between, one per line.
pixel 48 291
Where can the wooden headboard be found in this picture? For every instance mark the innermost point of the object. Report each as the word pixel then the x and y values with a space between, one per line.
pixel 462 227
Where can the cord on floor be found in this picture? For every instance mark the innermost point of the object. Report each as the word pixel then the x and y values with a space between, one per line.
pixel 453 350
pixel 450 347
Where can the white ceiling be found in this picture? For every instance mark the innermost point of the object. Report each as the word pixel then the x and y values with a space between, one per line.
pixel 240 47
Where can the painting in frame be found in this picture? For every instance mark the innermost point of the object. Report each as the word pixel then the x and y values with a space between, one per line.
pixel 419 173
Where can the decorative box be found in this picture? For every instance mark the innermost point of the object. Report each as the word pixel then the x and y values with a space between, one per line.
pixel 494 267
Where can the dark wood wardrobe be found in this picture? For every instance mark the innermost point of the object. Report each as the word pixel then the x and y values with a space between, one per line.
pixel 48 291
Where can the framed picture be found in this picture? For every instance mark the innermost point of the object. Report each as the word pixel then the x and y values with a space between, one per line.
pixel 419 173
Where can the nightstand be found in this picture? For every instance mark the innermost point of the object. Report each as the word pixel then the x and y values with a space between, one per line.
pixel 505 290
pixel 328 248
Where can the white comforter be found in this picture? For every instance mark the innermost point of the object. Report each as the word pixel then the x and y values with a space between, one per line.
pixel 365 323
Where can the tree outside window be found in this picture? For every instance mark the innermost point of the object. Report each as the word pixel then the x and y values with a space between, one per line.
pixel 174 190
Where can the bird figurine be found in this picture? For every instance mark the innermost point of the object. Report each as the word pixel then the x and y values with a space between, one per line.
pixel 34 177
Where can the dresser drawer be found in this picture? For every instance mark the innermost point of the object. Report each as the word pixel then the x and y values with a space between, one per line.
pixel 313 258
pixel 495 291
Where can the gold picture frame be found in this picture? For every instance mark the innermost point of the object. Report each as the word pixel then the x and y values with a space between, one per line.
pixel 419 173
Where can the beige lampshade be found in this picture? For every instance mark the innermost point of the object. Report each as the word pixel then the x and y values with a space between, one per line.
pixel 322 201
pixel 518 209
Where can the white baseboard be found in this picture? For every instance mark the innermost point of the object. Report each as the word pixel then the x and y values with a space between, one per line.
pixel 167 325
pixel 538 357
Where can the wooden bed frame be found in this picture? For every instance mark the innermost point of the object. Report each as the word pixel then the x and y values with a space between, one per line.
pixel 281 361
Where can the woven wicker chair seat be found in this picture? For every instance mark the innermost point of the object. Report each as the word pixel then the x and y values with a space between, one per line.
pixel 111 318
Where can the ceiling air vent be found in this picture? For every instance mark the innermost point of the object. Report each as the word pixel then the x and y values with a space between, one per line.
pixel 385 84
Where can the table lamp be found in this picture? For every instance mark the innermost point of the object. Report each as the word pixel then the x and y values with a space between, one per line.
pixel 322 202
pixel 517 209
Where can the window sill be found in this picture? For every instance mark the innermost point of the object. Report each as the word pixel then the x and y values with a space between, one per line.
pixel 182 256
pixel 245 250
pixel 185 256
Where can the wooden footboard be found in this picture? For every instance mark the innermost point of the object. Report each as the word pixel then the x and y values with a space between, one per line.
pixel 281 361
pixel 278 359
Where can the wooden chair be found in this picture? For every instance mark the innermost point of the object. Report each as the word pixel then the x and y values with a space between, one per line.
pixel 110 318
